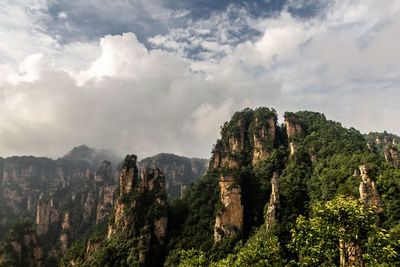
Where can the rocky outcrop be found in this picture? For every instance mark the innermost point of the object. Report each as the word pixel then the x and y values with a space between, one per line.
pixel 46 215
pixel 141 207
pixel 105 202
pixel 368 191
pixel 178 171
pixel 264 134
pixel 64 237
pixel 21 247
pixel 104 173
pixel 183 188
pixel 229 221
pixel 128 178
pixel 391 156
pixel 91 246
pixel 293 148
pixel 274 203
pixel 160 228
pixel 293 128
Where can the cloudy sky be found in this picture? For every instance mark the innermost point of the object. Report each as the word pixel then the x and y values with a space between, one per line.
pixel 156 76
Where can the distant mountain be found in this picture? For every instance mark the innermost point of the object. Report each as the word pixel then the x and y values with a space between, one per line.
pixel 54 203
pixel 180 172
pixel 92 156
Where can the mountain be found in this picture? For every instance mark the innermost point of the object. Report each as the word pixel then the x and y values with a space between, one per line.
pixel 305 192
pixel 94 157
pixel 56 202
pixel 180 172
pixel 386 144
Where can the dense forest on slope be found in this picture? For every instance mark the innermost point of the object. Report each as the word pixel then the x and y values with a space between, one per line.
pixel 68 199
pixel 306 192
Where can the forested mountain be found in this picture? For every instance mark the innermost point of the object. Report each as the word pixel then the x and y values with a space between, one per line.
pixel 56 202
pixel 306 192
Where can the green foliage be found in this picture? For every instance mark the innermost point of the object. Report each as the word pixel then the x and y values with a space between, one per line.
pixel 75 253
pixel 191 221
pixel 15 251
pixel 342 220
pixel 262 249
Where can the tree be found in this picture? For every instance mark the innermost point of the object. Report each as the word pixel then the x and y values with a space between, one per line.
pixel 341 231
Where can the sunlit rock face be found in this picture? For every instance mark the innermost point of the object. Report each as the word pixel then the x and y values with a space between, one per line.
pixel 230 221
pixel 368 191
pixel 263 134
pixel 391 156
pixel 247 139
pixel 293 128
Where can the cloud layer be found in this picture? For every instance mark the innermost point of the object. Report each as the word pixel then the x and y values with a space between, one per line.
pixel 172 91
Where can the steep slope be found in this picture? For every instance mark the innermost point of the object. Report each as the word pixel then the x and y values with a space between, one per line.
pixel 180 172
pixel 21 247
pixel 314 160
pixel 266 185
pixel 64 199
pixel 137 228
pixel 386 144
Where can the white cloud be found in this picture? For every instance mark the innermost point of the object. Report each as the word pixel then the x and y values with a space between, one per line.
pixel 116 93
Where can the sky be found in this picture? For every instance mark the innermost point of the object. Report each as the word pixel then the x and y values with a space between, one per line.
pixel 154 76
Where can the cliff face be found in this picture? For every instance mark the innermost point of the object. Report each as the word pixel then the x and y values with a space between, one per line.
pixel 26 180
pixel 368 191
pixel 178 171
pixel 140 212
pixel 274 203
pixel 65 198
pixel 21 247
pixel 293 128
pixel 46 215
pixel 263 133
pixel 246 140
pixel 230 221
pixel 385 144
pixel 391 156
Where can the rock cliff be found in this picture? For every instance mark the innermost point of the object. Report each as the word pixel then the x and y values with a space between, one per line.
pixel 385 144
pixel 65 198
pixel 140 210
pixel 293 128
pixel 246 141
pixel 264 134
pixel 21 247
pixel 230 220
pixel 178 171
pixel 274 203
pixel 368 191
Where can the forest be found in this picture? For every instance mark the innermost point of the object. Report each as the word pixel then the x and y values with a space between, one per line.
pixel 307 192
